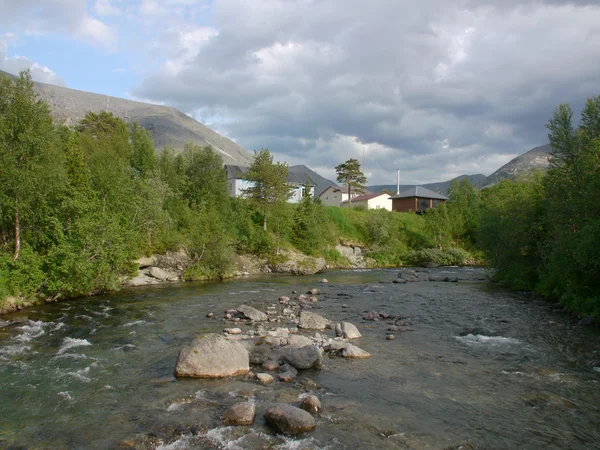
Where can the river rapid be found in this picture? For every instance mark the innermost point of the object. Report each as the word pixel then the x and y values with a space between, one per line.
pixel 474 366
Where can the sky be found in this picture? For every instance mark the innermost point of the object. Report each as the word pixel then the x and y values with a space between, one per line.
pixel 435 88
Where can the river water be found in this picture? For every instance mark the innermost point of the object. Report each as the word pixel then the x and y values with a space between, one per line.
pixel 477 366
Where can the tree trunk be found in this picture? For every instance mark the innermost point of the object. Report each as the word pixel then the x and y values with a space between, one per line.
pixel 349 195
pixel 17 229
pixel 265 220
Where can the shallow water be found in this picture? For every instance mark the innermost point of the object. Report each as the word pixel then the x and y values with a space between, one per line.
pixel 476 364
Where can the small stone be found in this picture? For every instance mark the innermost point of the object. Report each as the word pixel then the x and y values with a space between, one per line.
pixel 347 330
pixel 252 313
pixel 209 315
pixel 313 291
pixel 390 337
pixel 314 299
pixel 288 311
pixel 312 321
pixel 288 419
pixel 345 306
pixel 284 300
pixel 311 403
pixel 399 281
pixel 264 378
pixel 353 352
pixel 323 280
pixel 228 316
pixel 294 292
pixel 393 328
pixel 288 368
pixel 270 365
pixel 240 414
pixel 232 331
pixel 286 377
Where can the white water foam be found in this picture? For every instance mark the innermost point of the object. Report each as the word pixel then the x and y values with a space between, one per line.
pixel 478 340
pixel 69 343
pixel 32 330
pixel 65 395
pixel 81 375
pixel 122 347
pixel 596 369
pixel 4 323
pixel 132 324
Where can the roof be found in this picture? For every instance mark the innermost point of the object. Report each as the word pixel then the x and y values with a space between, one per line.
pixel 366 197
pixel 296 178
pixel 420 191
pixel 344 190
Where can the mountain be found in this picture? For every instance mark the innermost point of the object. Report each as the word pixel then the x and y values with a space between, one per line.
pixel 536 158
pixel 440 187
pixel 168 125
pixel 321 182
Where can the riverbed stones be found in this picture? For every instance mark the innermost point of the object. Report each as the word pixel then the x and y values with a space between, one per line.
pixel 270 365
pixel 297 340
pixel 284 300
pixel 240 414
pixel 252 313
pixel 408 275
pixel 286 377
pixel 265 378
pixel 212 356
pixel 311 403
pixel 347 330
pixel 312 321
pixel 288 419
pixel 353 352
pixel 302 358
pixel 233 330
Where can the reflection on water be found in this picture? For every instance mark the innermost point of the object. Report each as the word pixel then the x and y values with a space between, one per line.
pixel 470 362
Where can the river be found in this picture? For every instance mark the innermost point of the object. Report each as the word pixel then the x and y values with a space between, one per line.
pixel 477 366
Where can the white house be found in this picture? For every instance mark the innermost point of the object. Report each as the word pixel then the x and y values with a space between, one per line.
pixel 335 195
pixel 236 183
pixel 371 201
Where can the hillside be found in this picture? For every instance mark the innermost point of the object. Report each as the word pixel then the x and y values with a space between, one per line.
pixel 168 125
pixel 536 158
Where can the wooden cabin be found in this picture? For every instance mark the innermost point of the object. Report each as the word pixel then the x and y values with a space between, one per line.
pixel 417 199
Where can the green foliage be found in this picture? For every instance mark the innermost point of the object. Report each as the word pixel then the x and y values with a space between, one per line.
pixel 350 175
pixel 448 257
pixel 269 183
pixel 310 230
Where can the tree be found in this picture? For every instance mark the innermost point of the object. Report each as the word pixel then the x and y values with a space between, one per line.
pixel 269 182
pixel 350 175
pixel 30 159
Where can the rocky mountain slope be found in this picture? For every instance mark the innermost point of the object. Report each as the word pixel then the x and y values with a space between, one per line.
pixel 168 125
pixel 537 158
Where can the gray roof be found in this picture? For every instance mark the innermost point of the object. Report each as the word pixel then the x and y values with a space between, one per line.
pixel 296 178
pixel 420 191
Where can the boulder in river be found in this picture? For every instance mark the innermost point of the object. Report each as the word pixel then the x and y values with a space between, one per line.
pixel 159 274
pixel 240 414
pixel 288 419
pixel 297 340
pixel 265 378
pixel 302 358
pixel 252 313
pixel 353 352
pixel 312 321
pixel 347 330
pixel 408 275
pixel 212 356
pixel 311 403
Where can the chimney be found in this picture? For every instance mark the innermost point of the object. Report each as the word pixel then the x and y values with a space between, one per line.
pixel 398 183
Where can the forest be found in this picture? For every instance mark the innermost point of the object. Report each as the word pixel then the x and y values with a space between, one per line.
pixel 79 205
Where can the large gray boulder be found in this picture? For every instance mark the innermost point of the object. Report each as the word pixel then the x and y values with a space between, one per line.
pixel 347 330
pixel 212 356
pixel 312 321
pixel 158 273
pixel 252 313
pixel 302 358
pixel 288 419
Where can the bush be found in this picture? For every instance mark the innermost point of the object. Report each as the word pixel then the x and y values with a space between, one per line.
pixel 449 257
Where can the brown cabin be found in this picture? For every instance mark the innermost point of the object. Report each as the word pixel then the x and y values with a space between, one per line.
pixel 417 199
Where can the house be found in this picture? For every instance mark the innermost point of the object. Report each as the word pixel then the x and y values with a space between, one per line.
pixel 371 201
pixel 417 199
pixel 237 184
pixel 335 195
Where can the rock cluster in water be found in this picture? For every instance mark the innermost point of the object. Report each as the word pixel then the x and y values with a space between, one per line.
pixel 278 353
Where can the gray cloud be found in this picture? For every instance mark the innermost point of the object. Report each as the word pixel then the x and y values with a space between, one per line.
pixel 437 87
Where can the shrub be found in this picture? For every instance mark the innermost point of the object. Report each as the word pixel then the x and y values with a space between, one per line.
pixel 449 257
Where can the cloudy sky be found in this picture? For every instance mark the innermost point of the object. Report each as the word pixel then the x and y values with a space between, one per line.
pixel 436 88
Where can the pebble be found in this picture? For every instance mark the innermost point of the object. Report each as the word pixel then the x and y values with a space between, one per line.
pixel 393 328
pixel 232 331
pixel 228 316
pixel 390 337
pixel 210 315
pixel 265 378
pixel 311 403
pixel 270 365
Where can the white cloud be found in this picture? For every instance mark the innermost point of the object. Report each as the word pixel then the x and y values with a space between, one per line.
pixel 16 64
pixel 106 8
